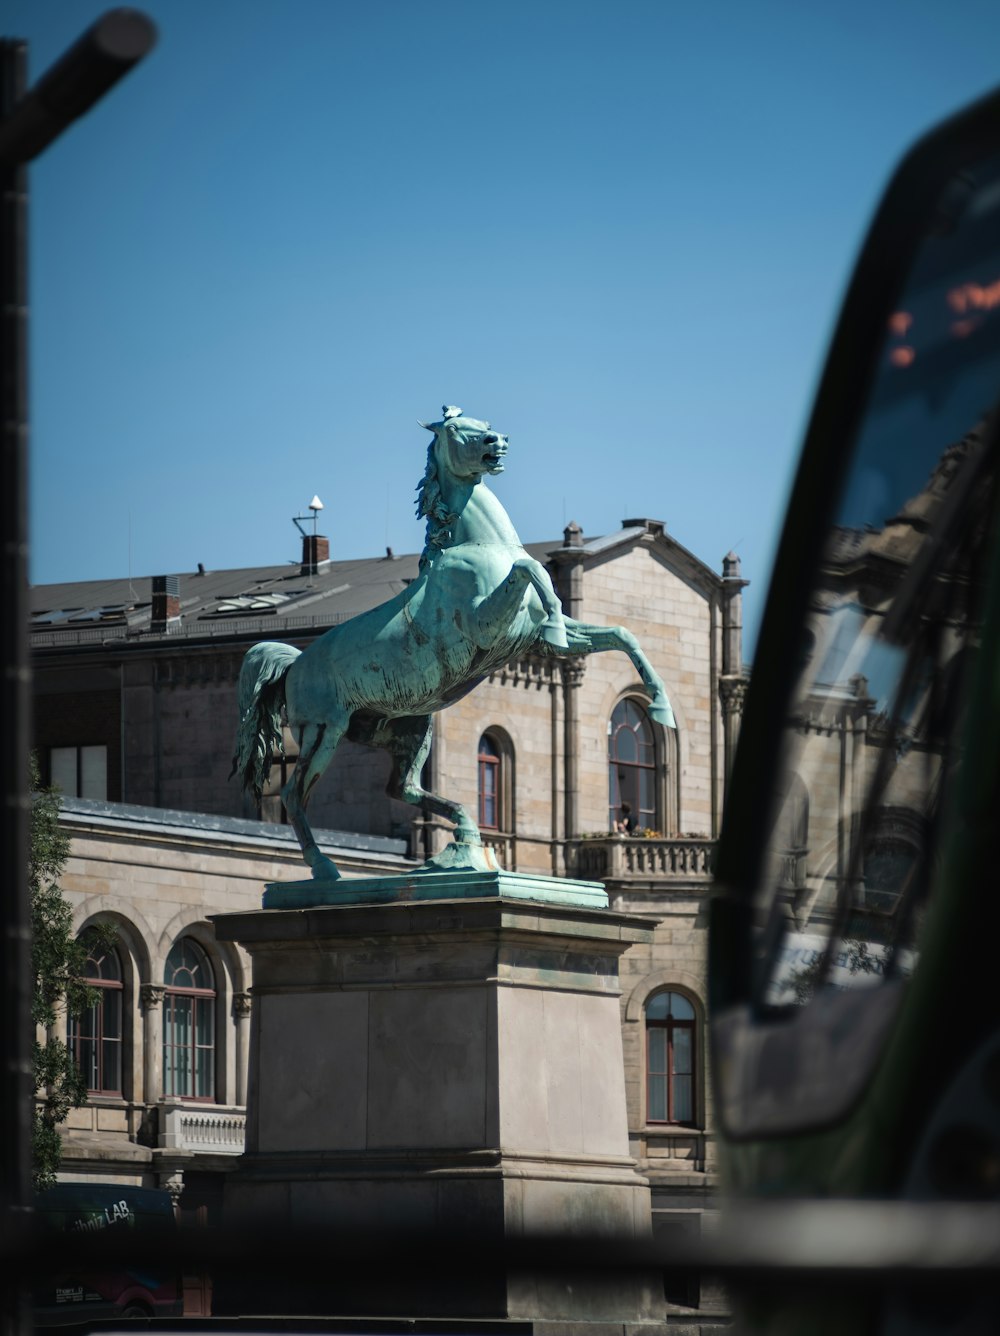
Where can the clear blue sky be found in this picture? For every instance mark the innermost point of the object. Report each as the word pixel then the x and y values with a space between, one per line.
pixel 620 231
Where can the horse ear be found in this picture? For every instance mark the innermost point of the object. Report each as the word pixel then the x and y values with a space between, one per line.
pixel 428 426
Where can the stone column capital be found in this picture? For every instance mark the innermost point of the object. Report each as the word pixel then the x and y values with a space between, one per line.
pixel 174 1184
pixel 733 691
pixel 241 1005
pixel 572 672
pixel 151 996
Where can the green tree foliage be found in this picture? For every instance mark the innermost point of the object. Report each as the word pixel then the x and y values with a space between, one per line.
pixel 59 962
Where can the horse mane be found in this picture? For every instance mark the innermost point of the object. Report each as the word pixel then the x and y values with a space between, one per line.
pixel 429 503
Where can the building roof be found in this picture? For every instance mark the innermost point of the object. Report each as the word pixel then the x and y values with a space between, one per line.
pixel 152 821
pixel 279 601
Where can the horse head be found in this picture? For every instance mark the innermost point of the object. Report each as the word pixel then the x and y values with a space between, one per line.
pixel 465 447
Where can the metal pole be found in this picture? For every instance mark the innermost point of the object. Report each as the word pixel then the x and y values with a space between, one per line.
pixel 79 78
pixel 28 124
pixel 16 1098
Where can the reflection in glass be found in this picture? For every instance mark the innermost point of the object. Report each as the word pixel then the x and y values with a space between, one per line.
pixel 871 729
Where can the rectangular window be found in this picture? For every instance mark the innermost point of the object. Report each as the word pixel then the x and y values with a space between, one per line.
pixel 95 1039
pixel 682 1074
pixel 177 1046
pixel 657 1075
pixel 189 1047
pixel 81 772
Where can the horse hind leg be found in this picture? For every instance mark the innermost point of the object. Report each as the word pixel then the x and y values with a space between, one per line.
pixel 317 746
pixel 408 741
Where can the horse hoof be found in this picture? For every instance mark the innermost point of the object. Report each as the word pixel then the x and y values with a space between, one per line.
pixel 554 634
pixel 661 713
pixel 324 870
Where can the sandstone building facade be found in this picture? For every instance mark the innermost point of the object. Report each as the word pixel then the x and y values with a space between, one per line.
pixel 135 712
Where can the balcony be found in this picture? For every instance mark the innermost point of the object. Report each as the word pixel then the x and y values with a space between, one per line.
pixel 682 861
pixel 213 1130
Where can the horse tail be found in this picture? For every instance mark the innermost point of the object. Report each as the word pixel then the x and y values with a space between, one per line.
pixel 261 698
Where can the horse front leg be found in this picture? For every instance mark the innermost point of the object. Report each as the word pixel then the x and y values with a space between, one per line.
pixel 317 744
pixel 496 612
pixel 586 639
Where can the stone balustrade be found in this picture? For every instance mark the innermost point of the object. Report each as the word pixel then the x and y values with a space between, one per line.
pixel 504 848
pixel 217 1130
pixel 620 857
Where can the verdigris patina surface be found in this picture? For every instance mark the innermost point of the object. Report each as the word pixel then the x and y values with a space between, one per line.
pixel 479 601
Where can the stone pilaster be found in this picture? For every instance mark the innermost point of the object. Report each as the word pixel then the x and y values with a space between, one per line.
pixel 241 1017
pixel 151 1000
pixel 572 678
pixel 732 682
pixel 732 693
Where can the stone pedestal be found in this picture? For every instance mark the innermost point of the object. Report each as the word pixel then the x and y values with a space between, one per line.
pixel 445 1067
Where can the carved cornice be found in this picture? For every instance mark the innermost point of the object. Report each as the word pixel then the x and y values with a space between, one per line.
pixel 527 672
pixel 198 670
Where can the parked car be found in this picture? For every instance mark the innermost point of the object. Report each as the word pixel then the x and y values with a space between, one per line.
pixel 77 1292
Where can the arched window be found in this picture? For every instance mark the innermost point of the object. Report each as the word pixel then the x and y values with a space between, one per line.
pixel 188 1023
pixel 495 781
pixel 631 768
pixel 670 1059
pixel 490 792
pixel 95 1038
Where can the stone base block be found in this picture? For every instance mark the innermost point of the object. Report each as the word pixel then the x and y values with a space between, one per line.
pixel 448 1072
pixel 471 1245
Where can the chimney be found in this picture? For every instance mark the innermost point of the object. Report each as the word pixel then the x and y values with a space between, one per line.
pixel 572 535
pixel 166 603
pixel 315 553
pixel 657 528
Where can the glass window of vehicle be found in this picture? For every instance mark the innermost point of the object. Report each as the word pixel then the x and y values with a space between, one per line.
pixel 871 729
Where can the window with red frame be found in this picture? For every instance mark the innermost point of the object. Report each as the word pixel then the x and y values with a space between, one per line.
pixel 489 783
pixel 189 1023
pixel 95 1038
pixel 670 1059
pixel 631 766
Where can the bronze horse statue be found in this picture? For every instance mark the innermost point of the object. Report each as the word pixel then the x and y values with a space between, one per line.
pixel 479 601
